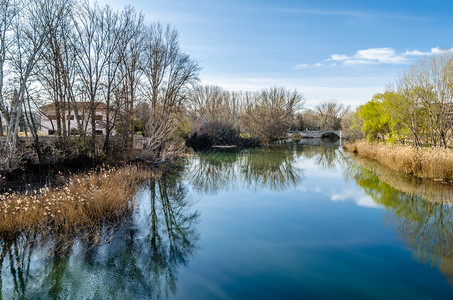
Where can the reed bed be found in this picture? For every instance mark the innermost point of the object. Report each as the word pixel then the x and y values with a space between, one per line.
pixel 428 189
pixel 83 204
pixel 434 163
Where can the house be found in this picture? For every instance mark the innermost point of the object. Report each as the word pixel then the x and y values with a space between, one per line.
pixel 49 118
pixel 22 131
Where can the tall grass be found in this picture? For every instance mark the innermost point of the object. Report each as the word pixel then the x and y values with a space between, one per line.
pixel 430 190
pixel 84 204
pixel 435 163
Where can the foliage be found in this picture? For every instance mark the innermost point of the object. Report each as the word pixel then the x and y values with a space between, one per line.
pixel 419 107
pixel 377 122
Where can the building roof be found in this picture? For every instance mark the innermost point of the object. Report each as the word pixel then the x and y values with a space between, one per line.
pixel 80 105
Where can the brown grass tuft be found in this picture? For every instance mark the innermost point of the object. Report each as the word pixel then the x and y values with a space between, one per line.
pixel 85 203
pixel 435 163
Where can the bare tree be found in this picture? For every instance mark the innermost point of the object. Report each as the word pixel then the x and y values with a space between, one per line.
pixel 56 67
pixel 92 57
pixel 331 114
pixel 9 10
pixel 428 88
pixel 123 73
pixel 28 42
pixel 269 114
pixel 169 73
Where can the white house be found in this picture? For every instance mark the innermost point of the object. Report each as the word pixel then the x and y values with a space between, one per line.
pixel 49 118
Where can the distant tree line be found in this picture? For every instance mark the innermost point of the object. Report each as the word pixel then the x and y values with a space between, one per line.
pixel 327 115
pixel 224 117
pixel 418 108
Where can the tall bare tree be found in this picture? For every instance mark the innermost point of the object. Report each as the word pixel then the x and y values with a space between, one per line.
pixel 92 57
pixel 169 73
pixel 28 43
pixel 56 67
pixel 9 10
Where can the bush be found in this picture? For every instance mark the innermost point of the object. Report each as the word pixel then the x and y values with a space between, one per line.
pixel 296 137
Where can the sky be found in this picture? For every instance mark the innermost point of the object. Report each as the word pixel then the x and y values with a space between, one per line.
pixel 342 50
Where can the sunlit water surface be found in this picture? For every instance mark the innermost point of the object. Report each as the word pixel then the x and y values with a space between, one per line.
pixel 288 222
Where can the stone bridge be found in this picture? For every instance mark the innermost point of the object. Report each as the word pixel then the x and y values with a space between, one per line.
pixel 315 133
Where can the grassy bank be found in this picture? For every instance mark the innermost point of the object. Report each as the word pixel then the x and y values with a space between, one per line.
pixel 428 189
pixel 435 163
pixel 84 204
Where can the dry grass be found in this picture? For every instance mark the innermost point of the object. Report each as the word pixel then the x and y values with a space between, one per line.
pixel 435 163
pixel 84 204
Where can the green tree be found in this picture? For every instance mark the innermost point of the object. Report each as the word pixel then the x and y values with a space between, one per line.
pixel 378 123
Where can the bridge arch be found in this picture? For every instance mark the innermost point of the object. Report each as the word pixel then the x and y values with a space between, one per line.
pixel 330 135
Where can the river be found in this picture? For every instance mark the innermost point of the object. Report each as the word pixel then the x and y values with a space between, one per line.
pixel 292 221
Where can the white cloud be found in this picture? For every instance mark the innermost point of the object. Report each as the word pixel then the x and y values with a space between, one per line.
pixel 338 57
pixel 381 56
pixel 436 50
pixel 359 198
pixel 301 66
pixel 304 66
pixel 352 62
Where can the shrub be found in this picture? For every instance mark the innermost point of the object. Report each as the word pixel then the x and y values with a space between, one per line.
pixel 296 137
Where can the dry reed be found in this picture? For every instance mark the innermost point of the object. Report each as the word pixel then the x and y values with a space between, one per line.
pixel 83 204
pixel 430 190
pixel 435 163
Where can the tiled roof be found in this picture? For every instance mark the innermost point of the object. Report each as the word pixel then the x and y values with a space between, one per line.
pixel 80 105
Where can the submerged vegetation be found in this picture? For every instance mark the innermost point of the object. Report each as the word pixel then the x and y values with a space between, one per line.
pixel 82 206
pixel 435 163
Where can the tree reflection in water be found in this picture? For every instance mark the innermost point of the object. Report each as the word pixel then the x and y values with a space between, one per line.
pixel 140 261
pixel 424 225
pixel 326 156
pixel 274 168
pixel 253 169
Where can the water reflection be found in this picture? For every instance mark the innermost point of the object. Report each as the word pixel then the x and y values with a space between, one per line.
pixel 140 260
pixel 420 211
pixel 270 168
pixel 252 169
pixel 327 156
pixel 273 168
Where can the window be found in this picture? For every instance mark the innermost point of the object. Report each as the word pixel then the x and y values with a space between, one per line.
pixel 70 117
pixel 98 117
pixel 99 132
pixel 51 132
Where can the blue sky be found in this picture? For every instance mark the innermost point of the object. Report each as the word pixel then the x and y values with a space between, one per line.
pixel 344 50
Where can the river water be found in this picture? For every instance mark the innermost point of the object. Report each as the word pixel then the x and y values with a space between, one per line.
pixel 290 222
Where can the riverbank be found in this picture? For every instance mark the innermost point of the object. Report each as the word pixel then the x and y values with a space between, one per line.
pixel 86 204
pixel 434 163
pixel 431 190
